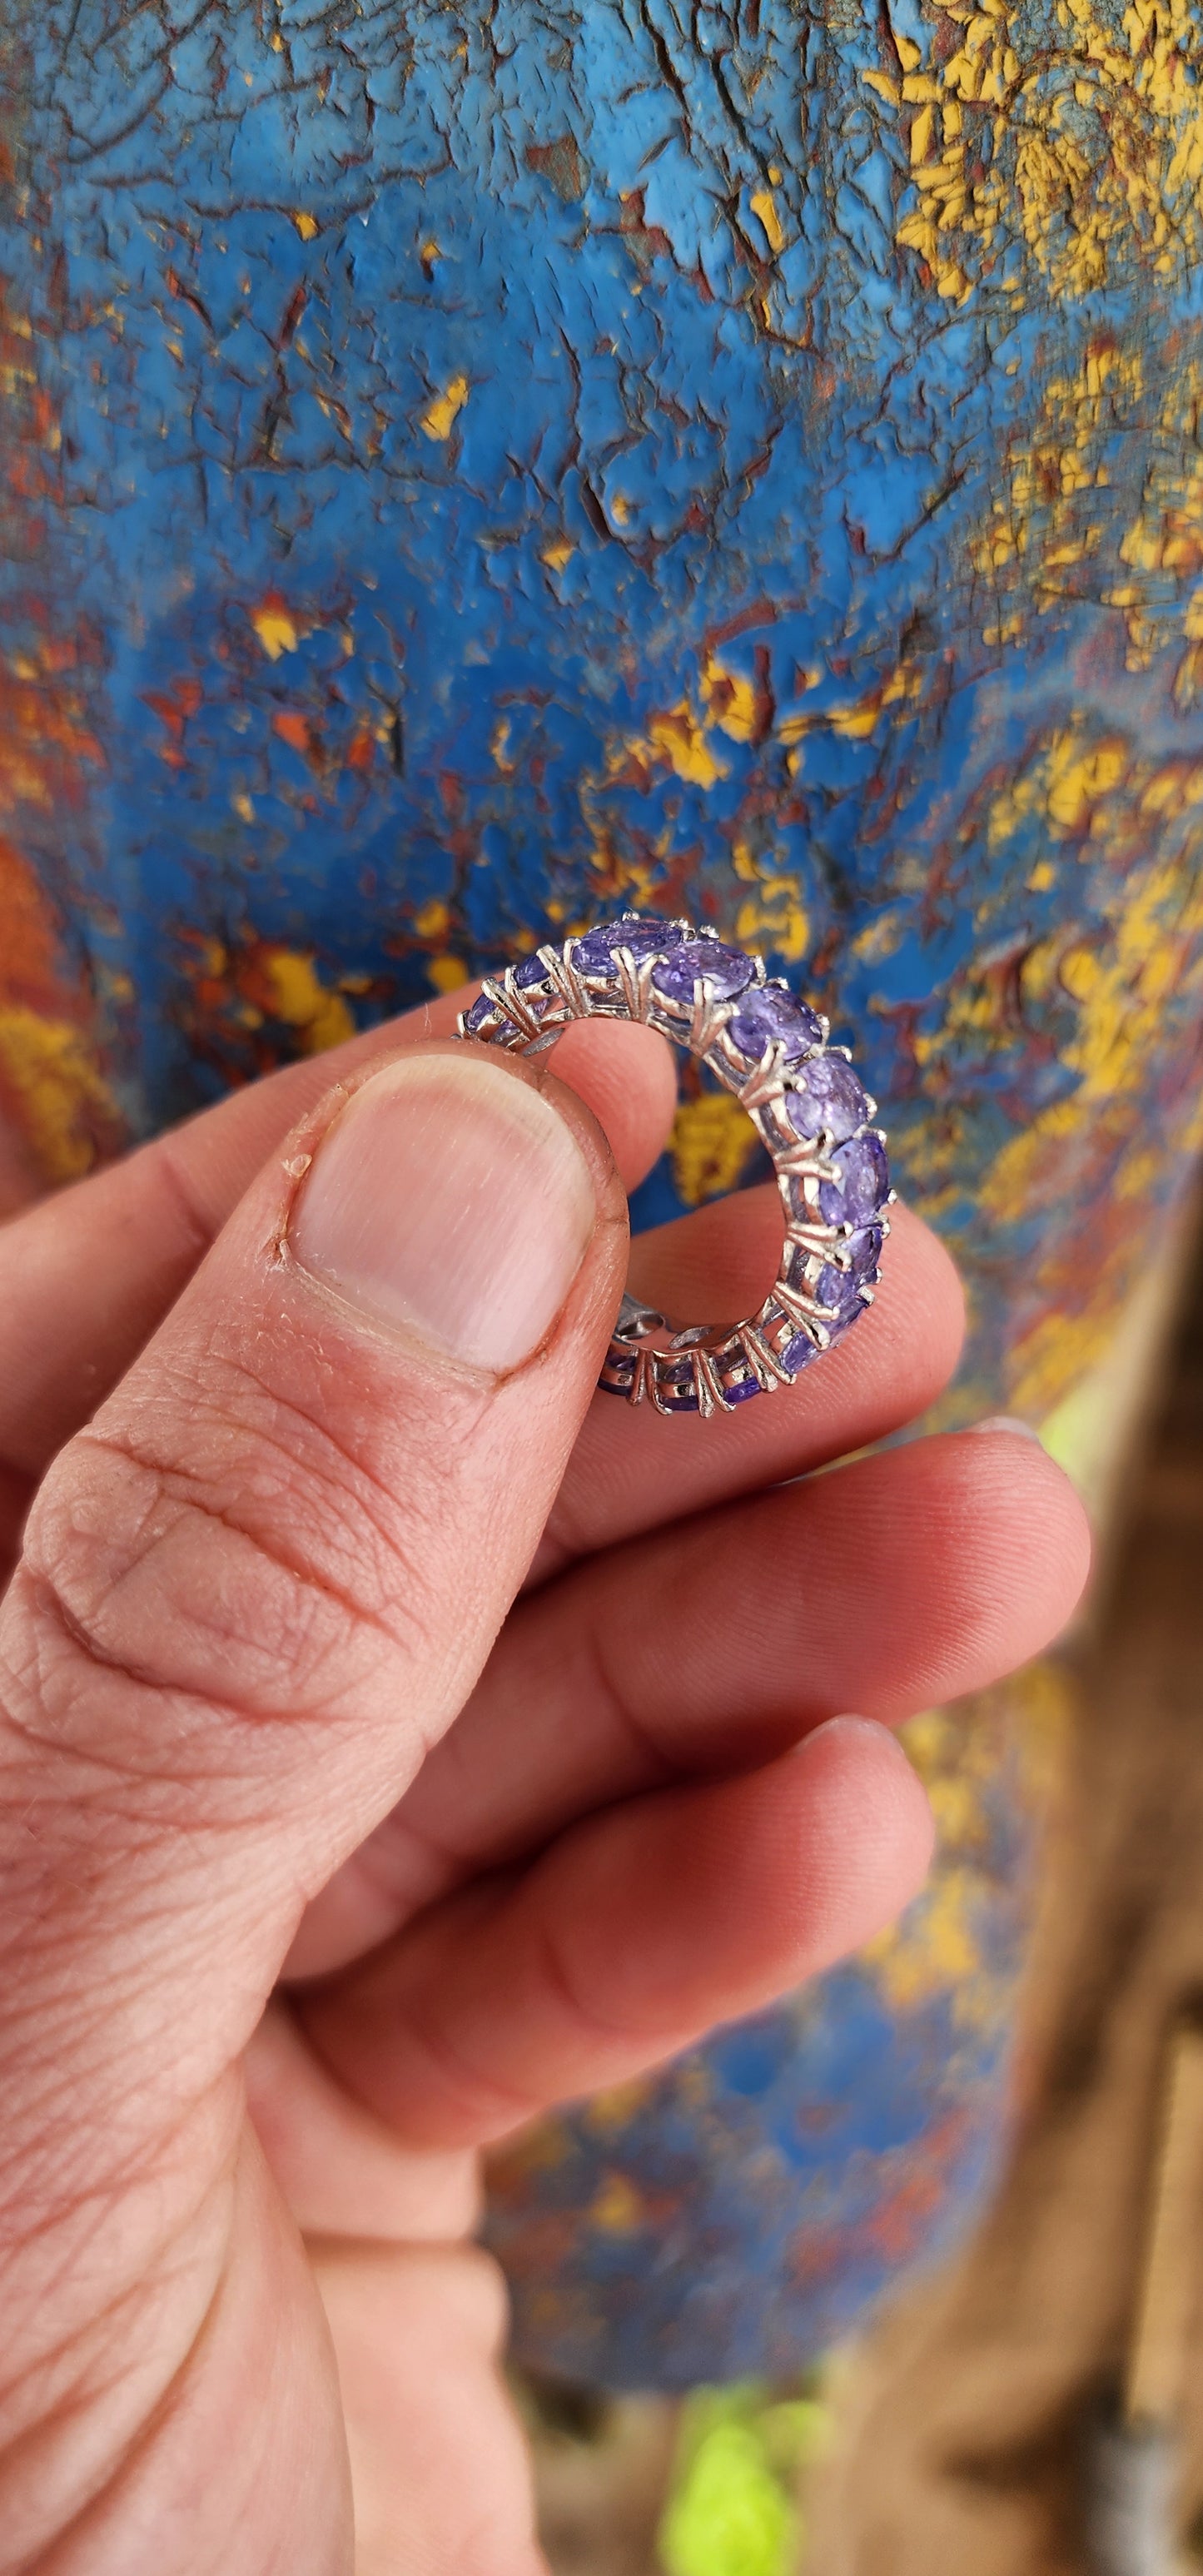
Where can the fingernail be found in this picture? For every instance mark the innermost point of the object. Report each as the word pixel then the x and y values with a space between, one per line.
pixel 451 1198
pixel 1006 1422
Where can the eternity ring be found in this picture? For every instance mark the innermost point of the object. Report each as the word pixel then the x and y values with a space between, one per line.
pixel 771 1051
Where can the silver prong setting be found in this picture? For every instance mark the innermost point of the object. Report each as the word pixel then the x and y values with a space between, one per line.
pixel 769 1051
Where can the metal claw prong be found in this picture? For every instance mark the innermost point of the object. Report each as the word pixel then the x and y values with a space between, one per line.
pixel 636 979
pixel 563 976
pixel 654 1388
pixel 510 1033
pixel 516 1005
pixel 802 1163
pixel 705 1378
pixel 763 1088
pixel 762 1359
pixel 709 1017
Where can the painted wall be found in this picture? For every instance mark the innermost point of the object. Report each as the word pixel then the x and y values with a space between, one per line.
pixel 462 469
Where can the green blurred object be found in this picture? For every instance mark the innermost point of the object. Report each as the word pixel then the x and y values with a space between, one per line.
pixel 734 2510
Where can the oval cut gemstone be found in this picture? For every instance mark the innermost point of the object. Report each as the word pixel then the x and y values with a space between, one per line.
pixel 479 1013
pixel 531 971
pixel 863 1185
pixel 826 1099
pixel 641 932
pixel 799 1353
pixel 767 1013
pixel 726 970
pixel 840 1289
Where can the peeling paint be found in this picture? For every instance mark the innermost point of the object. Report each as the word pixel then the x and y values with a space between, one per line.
pixel 464 472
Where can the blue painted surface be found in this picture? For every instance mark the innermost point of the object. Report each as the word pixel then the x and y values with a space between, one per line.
pixel 464 473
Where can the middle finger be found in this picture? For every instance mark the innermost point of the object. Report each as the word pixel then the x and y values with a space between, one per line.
pixel 900 1580
pixel 632 1470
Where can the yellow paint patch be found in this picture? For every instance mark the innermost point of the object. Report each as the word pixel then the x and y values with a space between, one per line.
pixel 499 746
pixel 559 552
pixel 1095 144
pixel 439 421
pixel 306 226
pixel 59 1090
pixel 678 738
pixel 244 807
pixel 276 628
pixel 711 1140
pixel 764 205
pixel 434 919
pixel 618 2103
pixel 774 916
pixel 302 1001
pixel 616 2208
pixel 730 701
pixel 447 973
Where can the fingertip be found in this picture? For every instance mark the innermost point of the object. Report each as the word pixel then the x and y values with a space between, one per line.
pixel 626 1075
pixel 876 1820
pixel 1039 1508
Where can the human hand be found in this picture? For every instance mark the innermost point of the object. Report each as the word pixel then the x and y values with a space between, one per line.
pixel 396 1737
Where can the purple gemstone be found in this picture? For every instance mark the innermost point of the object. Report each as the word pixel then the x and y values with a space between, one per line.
pixel 841 1289
pixel 799 1353
pixel 531 971
pixel 478 1014
pixel 642 933
pixel 744 1387
pixel 726 970
pixel 863 1185
pixel 766 1012
pixel 827 1099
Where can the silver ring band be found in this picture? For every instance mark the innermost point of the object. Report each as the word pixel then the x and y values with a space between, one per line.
pixel 770 1050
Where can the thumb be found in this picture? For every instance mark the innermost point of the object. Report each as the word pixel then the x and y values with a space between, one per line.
pixel 266 1576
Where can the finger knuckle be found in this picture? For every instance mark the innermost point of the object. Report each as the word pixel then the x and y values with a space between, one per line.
pixel 227 1554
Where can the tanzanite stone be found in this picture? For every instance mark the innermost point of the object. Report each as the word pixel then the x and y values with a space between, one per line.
pixel 531 971
pixel 726 970
pixel 863 1185
pixel 767 1013
pixel 799 1353
pixel 642 933
pixel 479 1013
pixel 826 1099
pixel 742 1389
pixel 840 1289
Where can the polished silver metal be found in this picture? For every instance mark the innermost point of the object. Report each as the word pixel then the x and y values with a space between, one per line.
pixel 701 1368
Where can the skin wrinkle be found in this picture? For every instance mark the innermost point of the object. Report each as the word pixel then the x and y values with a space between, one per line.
pixel 97 2208
pixel 149 2283
pixel 80 1648
pixel 468 2086
pixel 305 1582
pixel 355 1479
pixel 146 2429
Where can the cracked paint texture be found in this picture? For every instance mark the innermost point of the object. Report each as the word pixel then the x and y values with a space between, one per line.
pixel 465 469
